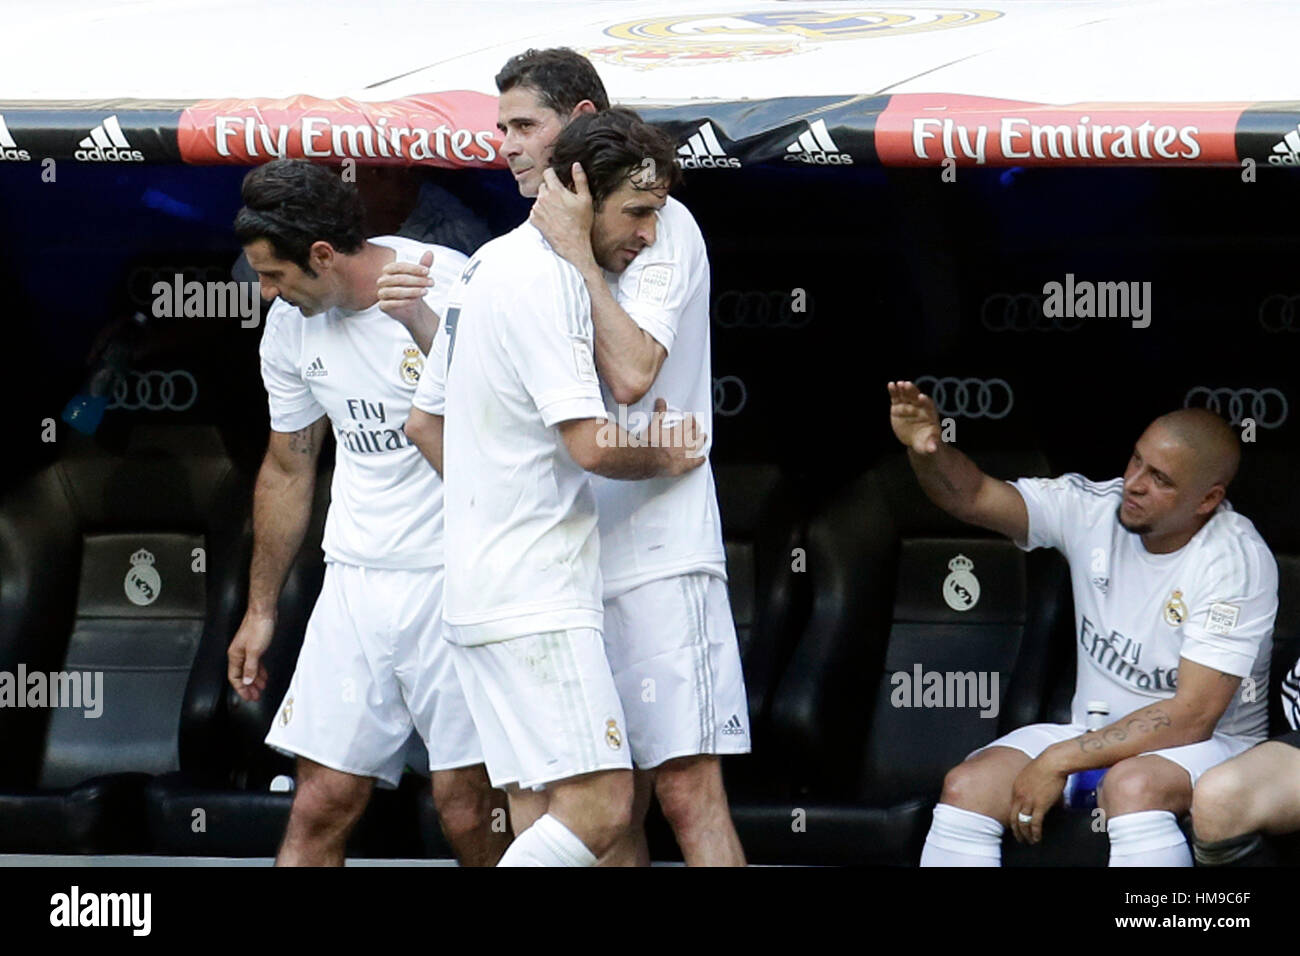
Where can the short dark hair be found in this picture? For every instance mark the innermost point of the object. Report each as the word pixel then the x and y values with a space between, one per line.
pixel 293 203
pixel 612 146
pixel 561 77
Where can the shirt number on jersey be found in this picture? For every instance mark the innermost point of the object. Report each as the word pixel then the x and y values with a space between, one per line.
pixel 453 314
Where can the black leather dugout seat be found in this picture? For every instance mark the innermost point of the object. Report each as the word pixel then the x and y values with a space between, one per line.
pixel 118 571
pixel 866 752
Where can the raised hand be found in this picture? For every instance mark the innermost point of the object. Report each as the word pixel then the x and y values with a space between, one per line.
pixel 914 418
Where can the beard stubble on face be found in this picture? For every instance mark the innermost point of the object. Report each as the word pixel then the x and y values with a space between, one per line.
pixel 1131 528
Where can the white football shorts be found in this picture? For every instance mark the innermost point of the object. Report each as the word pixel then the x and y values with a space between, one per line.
pixel 374 666
pixel 545 706
pixel 672 646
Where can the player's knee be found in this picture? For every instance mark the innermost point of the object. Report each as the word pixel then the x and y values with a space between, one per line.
pixel 1129 788
pixel 689 792
pixel 1220 804
pixel 463 799
pixel 608 805
pixel 327 804
pixel 965 786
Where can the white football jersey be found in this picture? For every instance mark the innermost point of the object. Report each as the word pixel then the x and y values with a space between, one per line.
pixel 1212 601
pixel 662 527
pixel 361 369
pixel 523 552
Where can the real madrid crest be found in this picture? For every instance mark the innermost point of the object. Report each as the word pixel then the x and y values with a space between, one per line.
pixel 612 735
pixel 142 583
pixel 1175 609
pixel 961 589
pixel 412 365
pixel 286 712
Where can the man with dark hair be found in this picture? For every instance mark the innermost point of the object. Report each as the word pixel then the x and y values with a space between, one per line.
pixel 525 423
pixel 373 664
pixel 541 91
pixel 669 633
pixel 1175 595
pixel 1257 794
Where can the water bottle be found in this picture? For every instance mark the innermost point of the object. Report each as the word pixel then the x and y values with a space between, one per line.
pixel 85 410
pixel 1081 787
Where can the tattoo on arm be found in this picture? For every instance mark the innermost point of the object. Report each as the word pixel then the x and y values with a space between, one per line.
pixel 300 442
pixel 948 486
pixel 1145 722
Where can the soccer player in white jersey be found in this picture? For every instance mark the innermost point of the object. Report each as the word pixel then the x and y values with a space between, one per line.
pixel 1236 804
pixel 669 632
pixel 1175 596
pixel 524 424
pixel 373 665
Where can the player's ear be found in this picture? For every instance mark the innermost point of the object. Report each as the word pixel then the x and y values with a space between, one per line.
pixel 320 254
pixel 1215 495
pixel 586 106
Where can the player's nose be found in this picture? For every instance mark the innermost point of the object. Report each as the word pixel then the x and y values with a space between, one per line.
pixel 267 291
pixel 648 232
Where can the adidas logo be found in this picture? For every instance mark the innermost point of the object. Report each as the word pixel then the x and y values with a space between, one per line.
pixel 703 151
pixel 9 150
pixel 816 147
pixel 107 144
pixel 1286 152
pixel 316 369
pixel 733 726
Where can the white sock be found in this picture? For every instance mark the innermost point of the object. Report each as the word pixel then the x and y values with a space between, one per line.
pixel 548 842
pixel 1147 838
pixel 962 838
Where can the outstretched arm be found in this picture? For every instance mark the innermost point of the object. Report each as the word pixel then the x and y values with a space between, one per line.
pixel 950 479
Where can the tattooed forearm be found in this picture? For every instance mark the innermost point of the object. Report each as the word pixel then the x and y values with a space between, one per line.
pixel 1144 722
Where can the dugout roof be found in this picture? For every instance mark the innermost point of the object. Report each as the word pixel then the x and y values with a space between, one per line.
pixel 997 82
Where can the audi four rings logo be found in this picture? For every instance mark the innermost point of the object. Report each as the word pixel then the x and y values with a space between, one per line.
pixel 1022 312
pixel 729 396
pixel 155 391
pixel 141 280
pixel 761 310
pixel 1267 406
pixel 968 397
pixel 1278 313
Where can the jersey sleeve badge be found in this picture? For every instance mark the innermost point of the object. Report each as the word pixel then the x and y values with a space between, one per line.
pixel 1222 618
pixel 652 287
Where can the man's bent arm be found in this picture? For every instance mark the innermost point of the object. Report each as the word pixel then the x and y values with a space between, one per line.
pixel 628 357
pixel 425 432
pixel 1188 717
pixel 603 448
pixel 282 503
